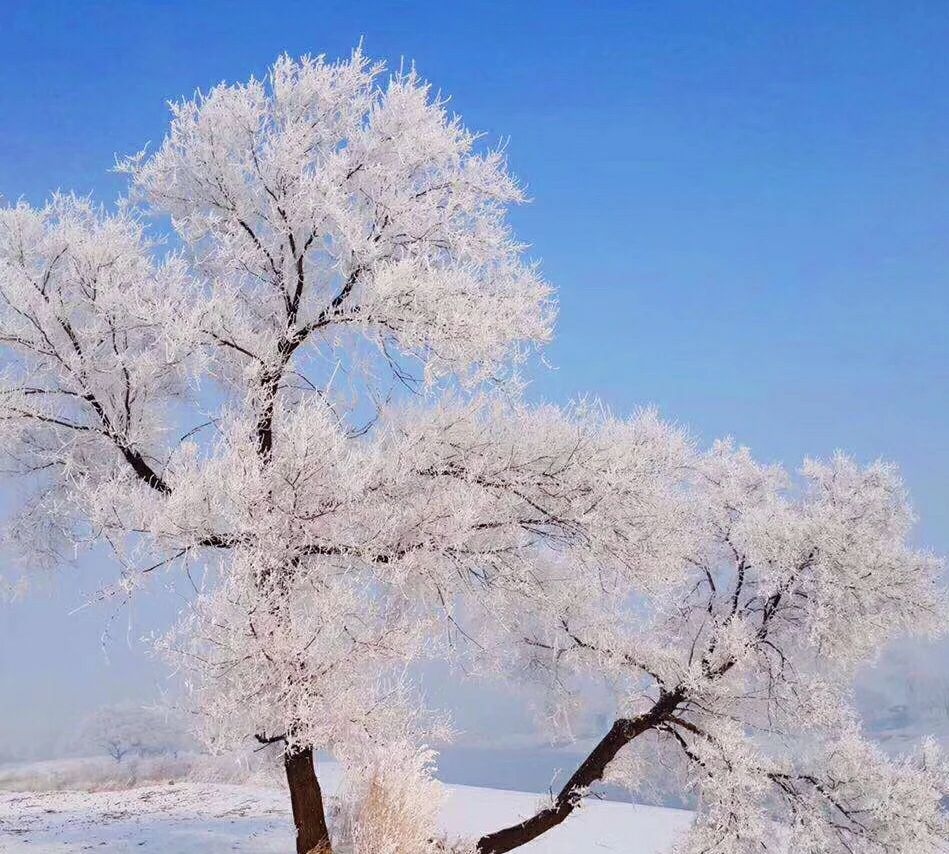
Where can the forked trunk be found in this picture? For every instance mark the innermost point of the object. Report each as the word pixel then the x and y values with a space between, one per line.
pixel 306 798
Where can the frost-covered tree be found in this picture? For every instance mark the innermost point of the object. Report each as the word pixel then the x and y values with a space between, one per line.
pixel 314 397
pixel 235 400
pixel 125 729
pixel 735 671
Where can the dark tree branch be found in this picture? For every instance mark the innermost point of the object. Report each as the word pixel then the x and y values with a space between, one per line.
pixel 590 771
pixel 270 381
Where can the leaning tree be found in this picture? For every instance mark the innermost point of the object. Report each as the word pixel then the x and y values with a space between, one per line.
pixel 731 671
pixel 312 395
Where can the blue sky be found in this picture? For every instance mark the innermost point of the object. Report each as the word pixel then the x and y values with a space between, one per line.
pixel 743 206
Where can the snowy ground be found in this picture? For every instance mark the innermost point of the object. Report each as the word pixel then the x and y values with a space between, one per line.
pixel 190 817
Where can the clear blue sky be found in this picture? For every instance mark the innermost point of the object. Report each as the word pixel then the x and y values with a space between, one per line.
pixel 744 205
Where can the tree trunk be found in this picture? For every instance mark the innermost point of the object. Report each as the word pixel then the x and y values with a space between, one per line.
pixel 306 798
pixel 590 771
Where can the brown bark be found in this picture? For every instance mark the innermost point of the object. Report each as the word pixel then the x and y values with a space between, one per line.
pixel 589 772
pixel 306 798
